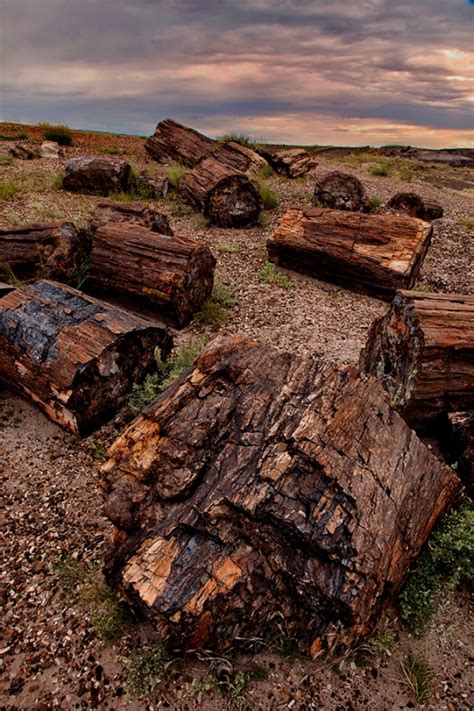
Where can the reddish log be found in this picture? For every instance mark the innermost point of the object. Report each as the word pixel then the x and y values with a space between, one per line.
pixel 174 143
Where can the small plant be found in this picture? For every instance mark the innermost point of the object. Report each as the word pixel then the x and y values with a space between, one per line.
pixel 226 248
pixel 9 275
pixel 418 677
pixel 111 150
pixel 271 275
pixel 268 197
pixel 375 202
pixel 200 221
pixel 381 642
pixel 263 219
pixel 237 138
pixel 70 574
pixel 178 209
pixel 82 273
pixel 405 174
pixel 123 197
pixel 60 134
pixel 6 160
pixel 266 171
pixel 58 181
pixel 468 223
pixel 446 561
pixel 175 173
pixel 8 190
pixel 381 169
pixel 214 310
pixel 114 618
pixel 199 688
pixel 148 667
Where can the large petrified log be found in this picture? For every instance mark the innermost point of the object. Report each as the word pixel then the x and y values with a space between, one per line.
pixel 291 162
pixel 263 487
pixel 24 151
pixel 52 251
pixel 174 143
pixel 241 159
pixel 341 191
pixel 372 253
pixel 96 176
pixel 73 356
pixel 174 274
pixel 223 192
pixel 422 351
pixel 414 205
pixel 140 214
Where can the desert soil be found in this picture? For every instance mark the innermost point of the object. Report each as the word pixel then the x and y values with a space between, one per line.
pixel 52 655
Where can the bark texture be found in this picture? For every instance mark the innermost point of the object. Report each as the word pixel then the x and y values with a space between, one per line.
pixel 139 214
pixel 414 205
pixel 73 356
pixel 96 176
pixel 52 251
pixel 376 254
pixel 173 274
pixel 291 162
pixel 341 191
pixel 240 159
pixel 265 489
pixel 422 351
pixel 174 143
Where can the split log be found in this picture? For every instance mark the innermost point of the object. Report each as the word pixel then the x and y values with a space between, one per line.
pixel 422 351
pixel 376 254
pixel 240 159
pixel 461 425
pixel 291 162
pixel 263 487
pixel 96 176
pixel 174 143
pixel 140 214
pixel 73 356
pixel 227 197
pixel 173 274
pixel 24 151
pixel 52 251
pixel 341 191
pixel 414 205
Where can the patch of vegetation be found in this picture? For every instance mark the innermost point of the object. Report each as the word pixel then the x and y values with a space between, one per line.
pixel 468 223
pixel 241 138
pixel 148 667
pixel 381 642
pixel 20 136
pixel 111 151
pixel 174 175
pixel 263 219
pixel 418 677
pixel 271 275
pixel 375 202
pixel 268 197
pixel 200 221
pixel 214 310
pixel 123 197
pixel 6 160
pixel 266 171
pixel 233 686
pixel 381 169
pixel 226 248
pixel 446 561
pixel 60 134
pixel 8 189
pixel 83 272
pixel 57 183
pixel 404 173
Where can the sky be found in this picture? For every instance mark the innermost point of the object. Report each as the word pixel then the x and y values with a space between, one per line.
pixel 347 72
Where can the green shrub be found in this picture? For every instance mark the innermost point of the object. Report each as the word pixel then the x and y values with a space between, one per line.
pixel 268 197
pixel 263 219
pixel 148 667
pixel 271 275
pixel 21 136
pixel 446 561
pixel 8 190
pixel 60 134
pixel 6 160
pixel 468 223
pixel 418 677
pixel 214 310
pixel 57 183
pixel 237 138
pixel 110 151
pixel 266 171
pixel 381 169
pixel 375 202
pixel 226 248
pixel 175 173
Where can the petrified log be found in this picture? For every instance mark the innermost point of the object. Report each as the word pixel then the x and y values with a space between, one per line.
pixel 52 251
pixel 173 274
pixel 341 191
pixel 461 425
pixel 414 205
pixel 227 197
pixel 139 214
pixel 291 162
pixel 151 187
pixel 240 159
pixel 24 151
pixel 173 142
pixel 265 486
pixel 422 351
pixel 51 149
pixel 375 254
pixel 96 176
pixel 73 356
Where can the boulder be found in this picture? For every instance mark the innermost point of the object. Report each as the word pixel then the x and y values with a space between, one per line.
pixel 51 149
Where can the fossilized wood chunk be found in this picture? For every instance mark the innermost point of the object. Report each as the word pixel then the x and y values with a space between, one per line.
pixel 52 251
pixel 422 351
pixel 291 162
pixel 461 425
pixel 341 191
pixel 414 205
pixel 174 143
pixel 139 214
pixel 24 151
pixel 265 486
pixel 173 274
pixel 240 159
pixel 372 253
pixel 72 355
pixel 96 176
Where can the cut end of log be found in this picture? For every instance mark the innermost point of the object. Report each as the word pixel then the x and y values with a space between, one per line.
pixel 141 214
pixel 341 191
pixel 233 202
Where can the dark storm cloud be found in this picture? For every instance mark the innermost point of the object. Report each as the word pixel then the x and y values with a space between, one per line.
pixel 126 65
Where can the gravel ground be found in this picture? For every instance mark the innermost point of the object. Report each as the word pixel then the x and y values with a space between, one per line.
pixel 52 653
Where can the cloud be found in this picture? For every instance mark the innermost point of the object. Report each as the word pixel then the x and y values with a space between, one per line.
pixel 268 61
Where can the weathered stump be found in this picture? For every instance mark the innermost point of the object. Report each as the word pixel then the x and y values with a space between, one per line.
pixel 291 162
pixel 422 351
pixel 52 251
pixel 376 254
pixel 96 176
pixel 341 191
pixel 73 356
pixel 174 143
pixel 107 213
pixel 414 205
pixel 173 274
pixel 264 489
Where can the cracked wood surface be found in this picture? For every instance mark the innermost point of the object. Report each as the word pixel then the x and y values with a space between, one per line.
pixel 75 357
pixel 136 213
pixel 422 351
pixel 291 162
pixel 375 254
pixel 175 143
pixel 172 274
pixel 264 488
